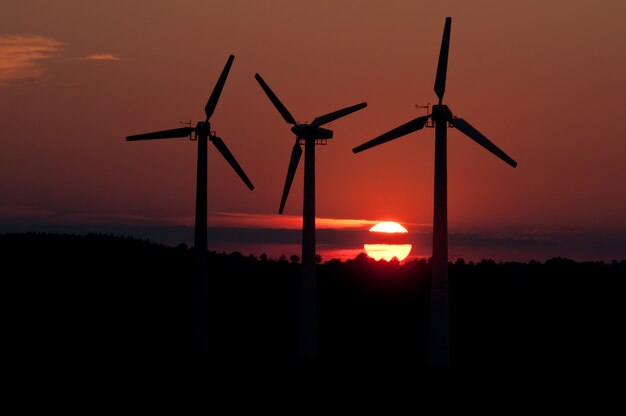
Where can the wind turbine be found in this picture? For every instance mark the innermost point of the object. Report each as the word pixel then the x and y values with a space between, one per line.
pixel 309 135
pixel 439 342
pixel 203 134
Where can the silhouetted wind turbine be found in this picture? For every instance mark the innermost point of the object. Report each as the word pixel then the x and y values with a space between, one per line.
pixel 309 135
pixel 202 133
pixel 439 342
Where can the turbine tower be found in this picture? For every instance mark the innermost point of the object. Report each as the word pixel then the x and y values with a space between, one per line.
pixel 308 135
pixel 203 134
pixel 439 340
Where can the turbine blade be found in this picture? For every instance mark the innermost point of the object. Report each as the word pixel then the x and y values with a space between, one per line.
pixel 404 129
pixel 296 152
pixel 221 146
pixel 327 118
pixel 475 135
pixel 163 134
pixel 274 99
pixel 209 108
pixel 442 66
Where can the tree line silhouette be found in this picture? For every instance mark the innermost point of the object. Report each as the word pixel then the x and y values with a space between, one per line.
pixel 89 293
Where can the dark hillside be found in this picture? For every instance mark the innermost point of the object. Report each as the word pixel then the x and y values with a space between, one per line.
pixel 94 292
pixel 110 294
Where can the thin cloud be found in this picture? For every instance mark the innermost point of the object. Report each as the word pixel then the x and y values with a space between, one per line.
pixel 22 57
pixel 230 219
pixel 100 57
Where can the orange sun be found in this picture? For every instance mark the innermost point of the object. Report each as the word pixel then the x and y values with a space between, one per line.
pixel 388 235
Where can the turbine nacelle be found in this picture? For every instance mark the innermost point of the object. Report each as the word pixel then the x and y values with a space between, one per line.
pixel 441 112
pixel 307 131
pixel 203 129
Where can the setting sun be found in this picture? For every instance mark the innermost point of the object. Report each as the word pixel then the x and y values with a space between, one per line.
pixel 390 242
pixel 388 227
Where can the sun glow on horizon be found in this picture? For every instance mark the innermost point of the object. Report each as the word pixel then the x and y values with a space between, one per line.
pixel 388 251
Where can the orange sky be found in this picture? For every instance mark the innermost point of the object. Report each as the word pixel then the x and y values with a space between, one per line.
pixel 543 80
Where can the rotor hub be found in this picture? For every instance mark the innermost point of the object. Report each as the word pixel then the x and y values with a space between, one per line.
pixel 203 128
pixel 309 132
pixel 441 112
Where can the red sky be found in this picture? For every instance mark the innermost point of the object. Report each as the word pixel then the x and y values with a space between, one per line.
pixel 543 80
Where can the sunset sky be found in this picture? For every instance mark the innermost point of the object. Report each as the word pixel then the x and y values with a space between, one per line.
pixel 544 80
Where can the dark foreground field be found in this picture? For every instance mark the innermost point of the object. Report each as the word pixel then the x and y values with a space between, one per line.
pixel 102 294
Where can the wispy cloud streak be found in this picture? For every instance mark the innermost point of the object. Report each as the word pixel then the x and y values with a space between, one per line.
pixel 22 57
pixel 230 219
pixel 100 57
